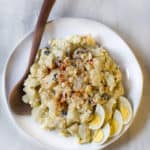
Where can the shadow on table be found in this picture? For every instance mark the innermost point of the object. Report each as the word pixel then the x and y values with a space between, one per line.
pixel 143 112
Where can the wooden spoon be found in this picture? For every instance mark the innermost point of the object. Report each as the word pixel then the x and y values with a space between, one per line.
pixel 15 97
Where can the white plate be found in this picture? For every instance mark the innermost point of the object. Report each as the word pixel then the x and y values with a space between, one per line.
pixel 119 50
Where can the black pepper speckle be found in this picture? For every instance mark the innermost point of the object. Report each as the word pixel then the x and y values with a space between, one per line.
pixel 105 96
pixel 55 76
pixel 64 113
pixel 46 52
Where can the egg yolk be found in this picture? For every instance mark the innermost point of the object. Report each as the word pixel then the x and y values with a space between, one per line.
pixel 125 113
pixel 114 126
pixel 96 120
pixel 98 136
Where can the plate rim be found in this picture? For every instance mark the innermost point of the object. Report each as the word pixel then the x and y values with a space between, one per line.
pixel 5 100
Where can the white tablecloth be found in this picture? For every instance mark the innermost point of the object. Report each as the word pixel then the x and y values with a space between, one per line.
pixel 130 18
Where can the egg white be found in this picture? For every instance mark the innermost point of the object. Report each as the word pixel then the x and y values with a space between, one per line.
pixel 109 108
pixel 101 114
pixel 106 133
pixel 117 118
pixel 125 103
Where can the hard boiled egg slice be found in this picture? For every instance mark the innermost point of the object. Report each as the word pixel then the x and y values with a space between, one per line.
pixel 109 109
pixel 116 123
pixel 125 109
pixel 98 118
pixel 101 135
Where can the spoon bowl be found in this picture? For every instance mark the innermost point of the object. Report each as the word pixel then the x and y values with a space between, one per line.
pixel 15 100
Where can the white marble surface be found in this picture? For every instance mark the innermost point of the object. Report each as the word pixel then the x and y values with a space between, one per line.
pixel 130 18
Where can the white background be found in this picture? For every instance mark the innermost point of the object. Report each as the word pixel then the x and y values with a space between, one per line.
pixel 129 18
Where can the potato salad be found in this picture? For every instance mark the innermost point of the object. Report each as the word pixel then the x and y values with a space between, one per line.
pixel 75 87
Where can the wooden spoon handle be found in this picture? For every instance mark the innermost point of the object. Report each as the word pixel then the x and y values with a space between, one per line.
pixel 39 29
